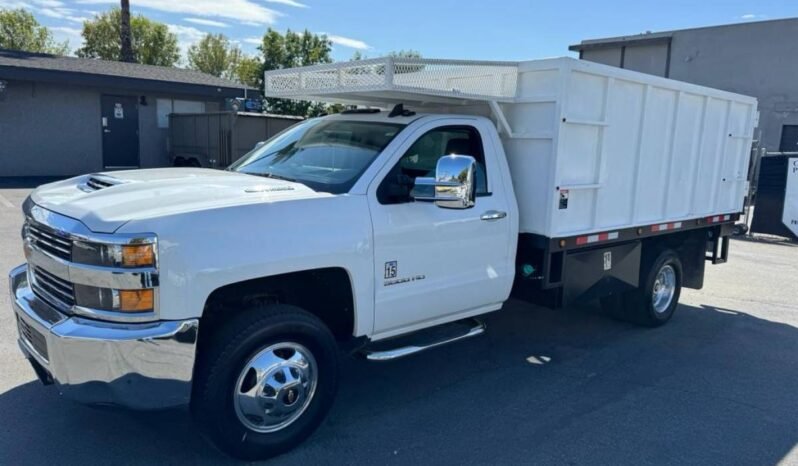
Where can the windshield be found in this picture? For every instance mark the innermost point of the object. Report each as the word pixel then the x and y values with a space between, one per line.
pixel 325 155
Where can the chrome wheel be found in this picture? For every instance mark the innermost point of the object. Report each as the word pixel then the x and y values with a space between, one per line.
pixel 664 289
pixel 275 387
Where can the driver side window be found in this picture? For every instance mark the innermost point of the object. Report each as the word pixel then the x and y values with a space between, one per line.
pixel 422 157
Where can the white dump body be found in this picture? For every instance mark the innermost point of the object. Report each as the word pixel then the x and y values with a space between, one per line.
pixel 590 147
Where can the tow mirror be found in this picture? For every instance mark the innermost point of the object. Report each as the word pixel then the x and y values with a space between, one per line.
pixel 453 182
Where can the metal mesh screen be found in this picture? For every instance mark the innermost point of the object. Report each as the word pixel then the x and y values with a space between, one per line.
pixel 446 78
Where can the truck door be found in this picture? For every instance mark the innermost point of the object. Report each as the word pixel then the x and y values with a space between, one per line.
pixel 434 264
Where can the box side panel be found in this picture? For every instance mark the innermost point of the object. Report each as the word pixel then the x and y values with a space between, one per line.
pixel 709 157
pixel 736 158
pixel 621 139
pixel 530 150
pixel 654 156
pixel 684 155
pixel 579 155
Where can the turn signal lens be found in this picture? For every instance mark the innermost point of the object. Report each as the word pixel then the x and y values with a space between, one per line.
pixel 136 300
pixel 141 255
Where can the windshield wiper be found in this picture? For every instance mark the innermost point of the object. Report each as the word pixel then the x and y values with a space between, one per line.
pixel 275 176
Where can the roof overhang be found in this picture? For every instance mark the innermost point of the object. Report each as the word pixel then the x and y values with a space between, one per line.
pixel 119 82
pixel 627 41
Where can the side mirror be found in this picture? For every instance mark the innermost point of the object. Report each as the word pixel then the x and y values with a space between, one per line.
pixel 454 182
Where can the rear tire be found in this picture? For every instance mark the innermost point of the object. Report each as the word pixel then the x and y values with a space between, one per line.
pixel 265 381
pixel 656 299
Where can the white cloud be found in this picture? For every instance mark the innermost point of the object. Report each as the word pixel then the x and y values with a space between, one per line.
pixel 67 30
pixel 238 10
pixel 252 40
pixel 289 3
pixel 186 36
pixel 50 8
pixel 206 22
pixel 750 16
pixel 348 42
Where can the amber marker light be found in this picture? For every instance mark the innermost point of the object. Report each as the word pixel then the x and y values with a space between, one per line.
pixel 136 300
pixel 140 255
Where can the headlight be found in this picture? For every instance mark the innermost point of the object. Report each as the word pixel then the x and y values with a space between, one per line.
pixel 108 299
pixel 114 255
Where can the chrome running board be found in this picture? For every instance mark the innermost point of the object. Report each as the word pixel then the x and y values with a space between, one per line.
pixel 428 338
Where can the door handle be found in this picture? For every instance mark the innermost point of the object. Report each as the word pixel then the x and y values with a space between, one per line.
pixel 106 131
pixel 493 215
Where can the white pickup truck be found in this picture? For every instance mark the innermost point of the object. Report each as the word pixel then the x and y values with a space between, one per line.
pixel 384 232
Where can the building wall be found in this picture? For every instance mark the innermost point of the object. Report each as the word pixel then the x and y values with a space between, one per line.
pixel 607 56
pixel 755 59
pixel 54 130
pixel 49 131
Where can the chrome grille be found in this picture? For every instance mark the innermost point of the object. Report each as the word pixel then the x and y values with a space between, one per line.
pixel 96 183
pixel 52 289
pixel 36 340
pixel 49 241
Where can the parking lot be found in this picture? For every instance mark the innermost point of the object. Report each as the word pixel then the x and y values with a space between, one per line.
pixel 717 385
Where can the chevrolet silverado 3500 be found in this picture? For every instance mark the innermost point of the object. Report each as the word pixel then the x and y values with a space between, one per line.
pixel 385 232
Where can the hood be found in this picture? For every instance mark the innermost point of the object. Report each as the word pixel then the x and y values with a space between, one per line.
pixel 106 201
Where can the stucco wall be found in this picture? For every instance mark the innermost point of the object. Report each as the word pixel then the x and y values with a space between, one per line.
pixel 54 130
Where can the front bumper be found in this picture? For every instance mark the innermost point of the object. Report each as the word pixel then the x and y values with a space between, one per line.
pixel 138 366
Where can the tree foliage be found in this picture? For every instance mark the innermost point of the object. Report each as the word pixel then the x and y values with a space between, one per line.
pixel 19 30
pixel 214 54
pixel 290 50
pixel 153 44
pixel 249 71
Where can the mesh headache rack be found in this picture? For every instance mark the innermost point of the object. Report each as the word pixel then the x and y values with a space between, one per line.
pixel 393 80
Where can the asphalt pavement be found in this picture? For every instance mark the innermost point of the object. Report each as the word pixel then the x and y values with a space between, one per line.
pixel 717 385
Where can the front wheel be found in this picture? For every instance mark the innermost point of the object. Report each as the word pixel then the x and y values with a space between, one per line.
pixel 266 381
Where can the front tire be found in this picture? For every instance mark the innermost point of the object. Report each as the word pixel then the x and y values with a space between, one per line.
pixel 265 381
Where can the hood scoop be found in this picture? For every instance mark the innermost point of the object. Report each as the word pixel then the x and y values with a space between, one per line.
pixel 98 182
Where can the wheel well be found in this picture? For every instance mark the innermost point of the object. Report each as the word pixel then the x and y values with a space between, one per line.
pixel 690 246
pixel 326 293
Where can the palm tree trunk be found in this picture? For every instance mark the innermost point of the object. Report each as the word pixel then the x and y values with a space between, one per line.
pixel 124 33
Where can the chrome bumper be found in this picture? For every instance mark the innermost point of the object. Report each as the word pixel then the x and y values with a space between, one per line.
pixel 138 366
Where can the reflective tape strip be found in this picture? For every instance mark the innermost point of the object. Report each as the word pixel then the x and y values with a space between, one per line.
pixel 596 238
pixel 719 218
pixel 666 226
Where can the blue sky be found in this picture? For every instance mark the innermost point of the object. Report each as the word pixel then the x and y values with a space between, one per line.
pixel 471 29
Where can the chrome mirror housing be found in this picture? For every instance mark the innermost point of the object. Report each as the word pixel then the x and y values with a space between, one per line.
pixel 454 182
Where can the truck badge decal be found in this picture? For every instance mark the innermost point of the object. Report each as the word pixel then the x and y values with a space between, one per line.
pixel 608 260
pixel 390 269
pixel 563 199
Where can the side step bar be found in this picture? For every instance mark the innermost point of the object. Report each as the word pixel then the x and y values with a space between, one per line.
pixel 423 340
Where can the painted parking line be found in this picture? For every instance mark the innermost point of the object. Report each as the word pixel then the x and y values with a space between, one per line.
pixel 5 202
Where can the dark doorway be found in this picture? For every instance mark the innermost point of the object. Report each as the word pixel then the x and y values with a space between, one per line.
pixel 789 138
pixel 120 127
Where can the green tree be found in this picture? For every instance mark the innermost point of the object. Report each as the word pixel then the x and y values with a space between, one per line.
pixel 290 50
pixel 249 71
pixel 214 54
pixel 19 30
pixel 153 44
